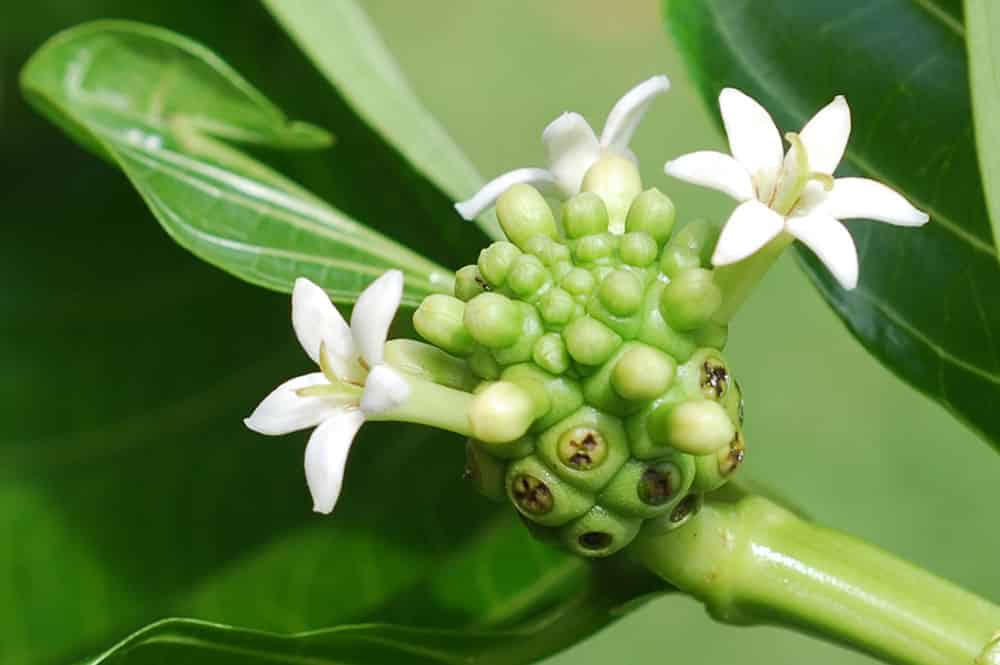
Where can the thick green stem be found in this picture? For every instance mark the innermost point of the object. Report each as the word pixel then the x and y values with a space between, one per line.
pixel 737 280
pixel 751 561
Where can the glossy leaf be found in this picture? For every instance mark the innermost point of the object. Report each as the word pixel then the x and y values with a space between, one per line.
pixel 161 106
pixel 926 304
pixel 983 45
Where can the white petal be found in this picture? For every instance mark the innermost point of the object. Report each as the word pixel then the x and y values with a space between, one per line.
pixel 626 114
pixel 491 191
pixel 832 243
pixel 572 148
pixel 753 138
pixel 825 135
pixel 853 198
pixel 284 411
pixel 326 457
pixel 373 313
pixel 751 226
pixel 385 389
pixel 713 169
pixel 317 321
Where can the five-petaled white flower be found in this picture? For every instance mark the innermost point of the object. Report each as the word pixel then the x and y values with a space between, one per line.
pixel 792 193
pixel 572 148
pixel 354 381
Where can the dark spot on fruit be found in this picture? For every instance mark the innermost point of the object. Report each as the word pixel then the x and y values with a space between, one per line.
pixel 532 495
pixel 594 540
pixel 714 379
pixel 684 509
pixel 734 456
pixel 483 283
pixel 582 449
pixel 656 486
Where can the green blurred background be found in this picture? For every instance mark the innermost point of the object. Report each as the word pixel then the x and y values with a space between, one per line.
pixel 826 425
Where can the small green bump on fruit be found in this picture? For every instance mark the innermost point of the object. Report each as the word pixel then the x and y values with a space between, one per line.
pixel 493 320
pixel 484 365
pixel 440 319
pixel 616 180
pixel 429 362
pixel 550 353
pixel 586 429
pixel 541 495
pixel 690 299
pixel 469 283
pixel 621 293
pixel 653 329
pixel 687 508
pixel 564 395
pixel 578 282
pixel 691 247
pixel 557 307
pixel 531 330
pixel 652 212
pixel 486 472
pixel 548 251
pixel 714 470
pixel 589 341
pixel 643 373
pixel 524 214
pixel 698 427
pixel 637 427
pixel 582 448
pixel 495 261
pixel 599 533
pixel 649 489
pixel 591 249
pixel 638 249
pixel 527 275
pixel 585 214
pixel 501 413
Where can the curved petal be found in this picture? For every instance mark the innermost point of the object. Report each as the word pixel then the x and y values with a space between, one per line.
pixel 572 148
pixel 317 322
pixel 713 169
pixel 491 191
pixel 385 390
pixel 626 114
pixel 832 243
pixel 751 226
pixel 373 313
pixel 825 135
pixel 753 137
pixel 853 198
pixel 284 411
pixel 326 457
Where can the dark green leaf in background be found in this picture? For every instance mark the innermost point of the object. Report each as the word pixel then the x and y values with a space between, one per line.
pixel 983 43
pixel 927 303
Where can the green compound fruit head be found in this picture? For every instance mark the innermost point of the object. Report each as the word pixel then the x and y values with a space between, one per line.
pixel 601 404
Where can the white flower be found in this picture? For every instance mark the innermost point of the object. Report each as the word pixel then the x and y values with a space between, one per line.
pixel 792 193
pixel 572 148
pixel 354 381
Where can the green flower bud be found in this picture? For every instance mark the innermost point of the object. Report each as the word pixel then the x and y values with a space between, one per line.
pixel 493 320
pixel 563 395
pixel 543 497
pixel 578 282
pixel 698 427
pixel 531 330
pixel 616 180
pixel 484 365
pixel 548 251
pixel 652 212
pixel 557 307
pixel 599 533
pixel 643 373
pixel 649 489
pixel 687 508
pixel 638 249
pixel 690 299
pixel 621 293
pixel 524 214
pixel 644 446
pixel 653 328
pixel 501 413
pixel 495 261
pixel 429 362
pixel 591 249
pixel 440 320
pixel 715 469
pixel 469 283
pixel 691 247
pixel 527 276
pixel 549 353
pixel 484 471
pixel 586 449
pixel 585 214
pixel 589 341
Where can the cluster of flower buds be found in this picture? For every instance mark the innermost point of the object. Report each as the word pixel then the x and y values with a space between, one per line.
pixel 603 401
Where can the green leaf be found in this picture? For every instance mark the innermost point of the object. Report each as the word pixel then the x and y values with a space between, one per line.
pixel 983 21
pixel 926 304
pixel 160 107
pixel 343 44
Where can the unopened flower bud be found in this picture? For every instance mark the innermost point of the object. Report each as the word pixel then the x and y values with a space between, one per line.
pixel 599 533
pixel 690 299
pixel 589 341
pixel 484 365
pixel 548 251
pixel 638 248
pixel 500 413
pixel 469 283
pixel 578 282
pixel 652 212
pixel 531 331
pixel 440 320
pixel 523 214
pixel 691 247
pixel 698 427
pixel 643 373
pixel 585 214
pixel 549 353
pixel 495 261
pixel 541 496
pixel 616 180
pixel 562 395
pixel 557 307
pixel 493 320
pixel 621 293
pixel 595 248
pixel 527 276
